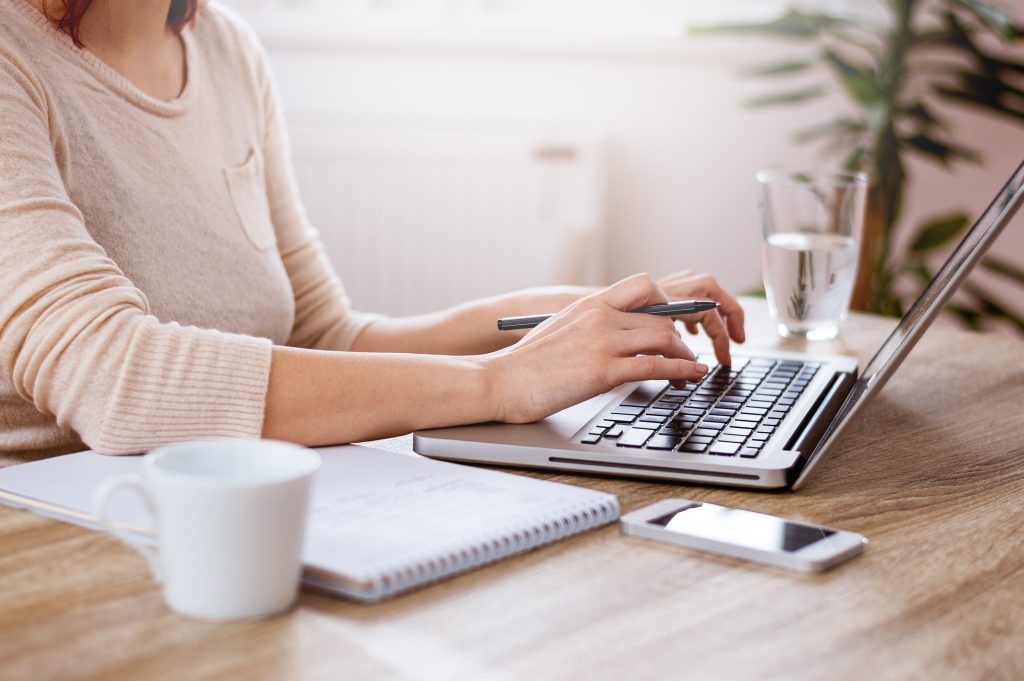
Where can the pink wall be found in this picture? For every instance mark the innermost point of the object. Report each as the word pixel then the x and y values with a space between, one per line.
pixel 682 153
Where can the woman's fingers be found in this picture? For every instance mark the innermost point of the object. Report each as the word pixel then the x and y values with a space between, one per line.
pixel 686 285
pixel 631 293
pixel 715 328
pixel 730 309
pixel 655 367
pixel 652 340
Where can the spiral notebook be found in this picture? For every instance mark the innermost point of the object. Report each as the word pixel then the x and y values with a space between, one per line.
pixel 381 522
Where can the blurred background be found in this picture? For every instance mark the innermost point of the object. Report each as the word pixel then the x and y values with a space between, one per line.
pixel 449 149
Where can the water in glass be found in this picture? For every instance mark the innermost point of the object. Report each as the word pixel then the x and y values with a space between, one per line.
pixel 808 279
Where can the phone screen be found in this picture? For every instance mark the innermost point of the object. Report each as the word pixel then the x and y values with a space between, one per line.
pixel 742 528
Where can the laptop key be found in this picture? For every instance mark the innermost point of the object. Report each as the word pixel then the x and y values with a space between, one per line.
pixel 634 437
pixel 720 411
pixel 615 432
pixel 724 448
pixel 590 439
pixel 700 440
pixel 732 438
pixel 653 418
pixel 676 392
pixel 705 432
pixel 648 425
pixel 663 442
pixel 620 418
pixel 633 411
pixel 693 447
pixel 643 395
pixel 716 419
pixel 654 411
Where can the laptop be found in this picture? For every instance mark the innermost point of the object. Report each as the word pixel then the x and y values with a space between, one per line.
pixel 765 422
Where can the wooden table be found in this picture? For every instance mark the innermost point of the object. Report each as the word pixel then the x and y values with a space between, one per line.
pixel 932 474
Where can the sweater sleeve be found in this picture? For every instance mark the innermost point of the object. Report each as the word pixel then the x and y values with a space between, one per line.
pixel 76 336
pixel 324 318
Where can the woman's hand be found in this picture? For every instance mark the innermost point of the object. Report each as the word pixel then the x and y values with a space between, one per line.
pixel 588 348
pixel 722 324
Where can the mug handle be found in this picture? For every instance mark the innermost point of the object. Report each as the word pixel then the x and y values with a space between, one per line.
pixel 100 499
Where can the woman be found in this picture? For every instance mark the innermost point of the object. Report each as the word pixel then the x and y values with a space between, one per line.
pixel 161 282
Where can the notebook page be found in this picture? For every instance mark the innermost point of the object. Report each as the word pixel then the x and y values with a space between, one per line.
pixel 427 510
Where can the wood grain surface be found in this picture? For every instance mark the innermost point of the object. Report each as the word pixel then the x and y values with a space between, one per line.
pixel 932 473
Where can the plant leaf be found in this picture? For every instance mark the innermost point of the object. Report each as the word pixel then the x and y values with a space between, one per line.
pixel 860 83
pixel 922 115
pixel 839 127
pixel 1004 268
pixel 920 272
pixel 970 317
pixel 992 308
pixel 993 17
pixel 855 161
pixel 982 101
pixel 792 24
pixel 791 97
pixel 942 151
pixel 938 232
pixel 780 69
pixel 955 35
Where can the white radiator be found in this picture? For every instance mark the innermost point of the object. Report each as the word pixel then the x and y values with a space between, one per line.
pixel 415 221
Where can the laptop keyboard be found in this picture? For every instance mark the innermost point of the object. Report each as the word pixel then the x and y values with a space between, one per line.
pixel 732 411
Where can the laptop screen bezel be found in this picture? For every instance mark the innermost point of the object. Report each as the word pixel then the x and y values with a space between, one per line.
pixel 924 310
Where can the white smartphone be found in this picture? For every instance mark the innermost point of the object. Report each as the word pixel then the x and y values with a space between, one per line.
pixel 743 534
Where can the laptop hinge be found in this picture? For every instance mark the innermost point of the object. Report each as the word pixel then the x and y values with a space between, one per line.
pixel 818 418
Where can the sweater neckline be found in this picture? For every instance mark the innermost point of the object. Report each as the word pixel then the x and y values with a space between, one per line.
pixel 114 80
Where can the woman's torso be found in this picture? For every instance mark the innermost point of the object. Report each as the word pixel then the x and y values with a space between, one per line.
pixel 172 191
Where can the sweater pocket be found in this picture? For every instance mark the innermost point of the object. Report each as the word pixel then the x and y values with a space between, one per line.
pixel 248 192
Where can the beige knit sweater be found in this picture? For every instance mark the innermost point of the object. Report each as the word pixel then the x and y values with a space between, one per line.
pixel 150 252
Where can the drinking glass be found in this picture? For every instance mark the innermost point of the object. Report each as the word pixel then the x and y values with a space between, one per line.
pixel 811 226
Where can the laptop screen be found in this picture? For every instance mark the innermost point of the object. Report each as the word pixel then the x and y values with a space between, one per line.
pixel 928 305
pixel 954 270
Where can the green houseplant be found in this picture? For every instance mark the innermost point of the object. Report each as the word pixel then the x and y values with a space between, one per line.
pixel 900 68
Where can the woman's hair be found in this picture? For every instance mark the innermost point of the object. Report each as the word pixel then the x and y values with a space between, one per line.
pixel 178 16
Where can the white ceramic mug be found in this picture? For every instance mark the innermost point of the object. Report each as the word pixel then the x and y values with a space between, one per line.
pixel 230 520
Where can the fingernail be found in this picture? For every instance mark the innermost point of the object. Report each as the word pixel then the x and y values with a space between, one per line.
pixel 701 368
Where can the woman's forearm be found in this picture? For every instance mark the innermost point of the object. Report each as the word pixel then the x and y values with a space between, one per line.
pixel 466 329
pixel 318 397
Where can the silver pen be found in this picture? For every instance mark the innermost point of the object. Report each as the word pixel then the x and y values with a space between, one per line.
pixel 678 307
